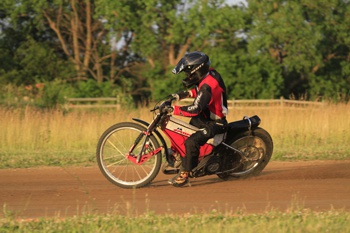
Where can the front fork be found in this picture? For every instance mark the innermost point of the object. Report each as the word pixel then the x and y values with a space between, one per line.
pixel 141 158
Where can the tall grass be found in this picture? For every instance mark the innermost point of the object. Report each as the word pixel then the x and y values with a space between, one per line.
pixel 307 133
pixel 31 137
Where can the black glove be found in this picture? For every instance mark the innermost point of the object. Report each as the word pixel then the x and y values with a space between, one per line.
pixel 165 107
pixel 180 95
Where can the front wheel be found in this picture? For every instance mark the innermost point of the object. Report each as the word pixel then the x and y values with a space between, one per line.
pixel 256 148
pixel 113 155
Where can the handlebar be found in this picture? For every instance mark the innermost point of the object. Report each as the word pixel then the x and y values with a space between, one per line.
pixel 154 109
pixel 170 99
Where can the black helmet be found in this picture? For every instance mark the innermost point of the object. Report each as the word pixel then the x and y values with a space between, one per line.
pixel 195 65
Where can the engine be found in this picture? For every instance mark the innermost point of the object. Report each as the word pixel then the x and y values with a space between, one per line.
pixel 213 165
pixel 207 166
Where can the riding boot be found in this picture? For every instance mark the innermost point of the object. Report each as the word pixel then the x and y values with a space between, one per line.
pixel 181 179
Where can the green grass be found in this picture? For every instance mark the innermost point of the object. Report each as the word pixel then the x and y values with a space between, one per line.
pixel 276 222
pixel 30 137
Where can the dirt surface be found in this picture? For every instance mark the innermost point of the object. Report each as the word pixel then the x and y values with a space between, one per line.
pixel 63 192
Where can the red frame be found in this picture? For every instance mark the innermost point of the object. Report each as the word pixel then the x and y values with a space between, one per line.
pixel 178 138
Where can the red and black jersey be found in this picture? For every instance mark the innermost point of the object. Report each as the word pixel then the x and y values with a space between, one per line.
pixel 210 99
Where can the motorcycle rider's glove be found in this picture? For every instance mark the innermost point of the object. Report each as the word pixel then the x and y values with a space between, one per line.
pixel 181 95
pixel 165 107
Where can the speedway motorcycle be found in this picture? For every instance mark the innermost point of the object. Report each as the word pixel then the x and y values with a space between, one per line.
pixel 129 154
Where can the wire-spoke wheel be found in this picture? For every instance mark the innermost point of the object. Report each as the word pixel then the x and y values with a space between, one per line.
pixel 113 155
pixel 257 148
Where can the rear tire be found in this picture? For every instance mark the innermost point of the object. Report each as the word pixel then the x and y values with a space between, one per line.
pixel 257 147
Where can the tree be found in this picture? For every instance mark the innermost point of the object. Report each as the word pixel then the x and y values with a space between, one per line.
pixel 331 77
pixel 28 53
pixel 81 36
pixel 246 75
pixel 263 50
pixel 307 39
pixel 163 31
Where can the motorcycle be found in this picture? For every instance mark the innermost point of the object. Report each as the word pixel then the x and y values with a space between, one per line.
pixel 129 154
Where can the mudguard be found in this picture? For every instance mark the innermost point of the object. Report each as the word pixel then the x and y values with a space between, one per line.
pixel 246 124
pixel 160 137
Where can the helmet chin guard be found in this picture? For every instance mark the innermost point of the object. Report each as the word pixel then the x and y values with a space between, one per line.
pixel 192 80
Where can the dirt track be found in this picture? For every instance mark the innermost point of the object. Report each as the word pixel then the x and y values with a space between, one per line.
pixel 43 192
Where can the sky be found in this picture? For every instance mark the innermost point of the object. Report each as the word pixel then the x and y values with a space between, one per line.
pixel 234 2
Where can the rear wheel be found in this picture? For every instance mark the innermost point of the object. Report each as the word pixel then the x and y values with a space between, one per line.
pixel 256 147
pixel 112 156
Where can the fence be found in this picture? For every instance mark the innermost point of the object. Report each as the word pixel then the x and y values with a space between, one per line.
pixel 108 102
pixel 269 103
pixel 263 103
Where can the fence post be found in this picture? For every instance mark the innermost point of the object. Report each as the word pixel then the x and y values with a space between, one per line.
pixel 282 101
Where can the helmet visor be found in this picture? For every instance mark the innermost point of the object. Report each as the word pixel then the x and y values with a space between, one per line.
pixel 179 67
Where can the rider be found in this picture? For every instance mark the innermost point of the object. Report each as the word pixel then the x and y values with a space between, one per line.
pixel 208 111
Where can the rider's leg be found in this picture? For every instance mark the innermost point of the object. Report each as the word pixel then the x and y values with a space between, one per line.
pixel 208 129
pixel 192 145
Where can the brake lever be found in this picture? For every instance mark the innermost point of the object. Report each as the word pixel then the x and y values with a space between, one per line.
pixel 154 109
pixel 171 99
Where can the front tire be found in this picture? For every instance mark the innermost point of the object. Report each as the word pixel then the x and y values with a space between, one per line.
pixel 113 148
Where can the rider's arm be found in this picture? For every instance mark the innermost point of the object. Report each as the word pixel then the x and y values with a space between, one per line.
pixel 200 103
pixel 185 94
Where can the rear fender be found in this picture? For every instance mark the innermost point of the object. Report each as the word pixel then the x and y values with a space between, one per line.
pixel 246 124
pixel 160 138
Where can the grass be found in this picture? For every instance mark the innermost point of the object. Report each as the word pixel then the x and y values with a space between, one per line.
pixel 273 221
pixel 31 137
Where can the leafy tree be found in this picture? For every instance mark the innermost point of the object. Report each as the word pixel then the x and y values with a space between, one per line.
pixel 39 63
pixel 308 39
pixel 163 31
pixel 27 55
pixel 332 75
pixel 128 48
pixel 81 36
pixel 246 75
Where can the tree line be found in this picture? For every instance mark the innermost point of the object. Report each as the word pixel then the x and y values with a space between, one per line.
pixel 91 48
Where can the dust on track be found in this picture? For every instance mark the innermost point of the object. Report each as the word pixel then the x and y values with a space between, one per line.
pixel 282 186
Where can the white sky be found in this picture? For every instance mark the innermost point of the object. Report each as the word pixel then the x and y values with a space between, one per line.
pixel 235 2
